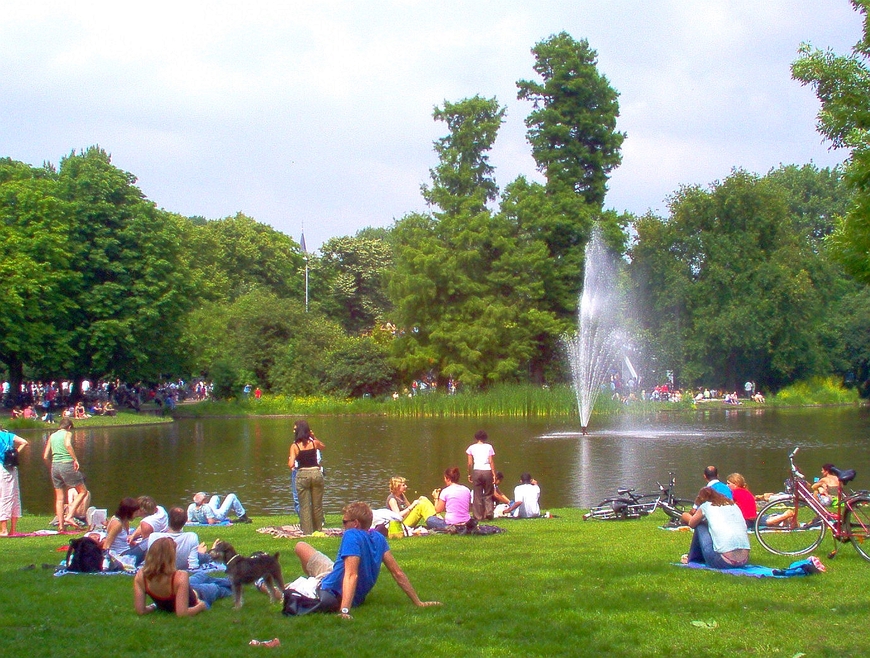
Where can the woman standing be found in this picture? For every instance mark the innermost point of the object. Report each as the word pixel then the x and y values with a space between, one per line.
pixel 10 494
pixel 309 477
pixel 481 474
pixel 173 590
pixel 64 472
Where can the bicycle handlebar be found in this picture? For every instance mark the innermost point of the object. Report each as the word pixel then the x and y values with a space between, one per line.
pixel 794 469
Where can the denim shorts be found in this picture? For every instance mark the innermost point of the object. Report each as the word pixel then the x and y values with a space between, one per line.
pixel 64 474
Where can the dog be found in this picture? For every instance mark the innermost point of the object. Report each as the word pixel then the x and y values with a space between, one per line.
pixel 242 570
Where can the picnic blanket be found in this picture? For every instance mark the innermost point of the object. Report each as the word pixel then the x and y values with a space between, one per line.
pixel 806 567
pixel 206 525
pixel 295 531
pixel 45 533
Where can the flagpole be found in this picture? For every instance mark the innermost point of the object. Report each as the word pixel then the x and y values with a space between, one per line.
pixel 305 255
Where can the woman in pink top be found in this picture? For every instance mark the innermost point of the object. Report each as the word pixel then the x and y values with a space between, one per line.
pixel 453 500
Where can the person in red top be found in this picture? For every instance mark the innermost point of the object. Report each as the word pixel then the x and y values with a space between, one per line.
pixel 744 498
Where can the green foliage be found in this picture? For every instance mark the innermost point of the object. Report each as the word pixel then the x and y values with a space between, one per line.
pixel 572 128
pixel 348 281
pixel 236 255
pixel 733 283
pixel 842 84
pixel 815 391
pixel 360 367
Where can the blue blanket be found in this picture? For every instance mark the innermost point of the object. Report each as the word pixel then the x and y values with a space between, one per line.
pixel 800 568
pixel 224 522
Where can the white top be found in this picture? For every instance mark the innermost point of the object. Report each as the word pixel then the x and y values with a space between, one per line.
pixel 186 548
pixel 727 527
pixel 528 496
pixel 480 452
pixel 159 521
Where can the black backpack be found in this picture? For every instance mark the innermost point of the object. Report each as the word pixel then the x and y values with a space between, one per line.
pixel 84 555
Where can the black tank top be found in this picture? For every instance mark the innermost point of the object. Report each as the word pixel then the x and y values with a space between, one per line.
pixel 307 458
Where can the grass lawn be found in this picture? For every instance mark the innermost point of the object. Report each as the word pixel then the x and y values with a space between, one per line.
pixel 547 587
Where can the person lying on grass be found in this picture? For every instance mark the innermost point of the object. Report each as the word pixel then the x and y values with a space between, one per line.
pixel 347 581
pixel 720 540
pixel 172 590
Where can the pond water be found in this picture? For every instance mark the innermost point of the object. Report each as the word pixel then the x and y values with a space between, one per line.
pixel 249 456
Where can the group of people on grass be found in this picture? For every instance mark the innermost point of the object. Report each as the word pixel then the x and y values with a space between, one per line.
pixel 724 512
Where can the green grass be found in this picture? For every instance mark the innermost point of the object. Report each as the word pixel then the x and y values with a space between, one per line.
pixel 547 587
pixel 119 419
pixel 815 392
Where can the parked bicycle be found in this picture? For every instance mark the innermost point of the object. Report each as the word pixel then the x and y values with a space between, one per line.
pixel 796 524
pixel 630 505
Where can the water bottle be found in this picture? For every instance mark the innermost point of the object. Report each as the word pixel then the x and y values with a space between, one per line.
pixel 106 562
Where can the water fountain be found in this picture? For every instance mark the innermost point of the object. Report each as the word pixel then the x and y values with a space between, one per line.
pixel 596 345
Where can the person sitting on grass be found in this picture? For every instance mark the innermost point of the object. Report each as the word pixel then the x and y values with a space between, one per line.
pixel 720 540
pixel 347 581
pixel 155 520
pixel 743 498
pixel 190 554
pixel 172 590
pixel 118 527
pixel 209 510
pixel 827 486
pixel 454 501
pixel 526 497
pixel 413 514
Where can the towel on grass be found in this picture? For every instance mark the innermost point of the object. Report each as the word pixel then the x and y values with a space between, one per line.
pixel 295 531
pixel 806 567
pixel 206 525
pixel 45 533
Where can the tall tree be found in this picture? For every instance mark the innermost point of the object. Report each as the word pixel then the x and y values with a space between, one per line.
pixel 35 268
pixel 842 84
pixel 349 281
pixel 572 131
pixel 462 309
pixel 732 288
pixel 131 291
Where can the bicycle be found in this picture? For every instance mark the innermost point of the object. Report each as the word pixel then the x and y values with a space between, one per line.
pixel 800 521
pixel 630 505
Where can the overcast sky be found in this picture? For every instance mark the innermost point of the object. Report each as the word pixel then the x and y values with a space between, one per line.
pixel 320 113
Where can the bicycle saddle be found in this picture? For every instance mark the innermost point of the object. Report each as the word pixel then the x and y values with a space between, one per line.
pixel 844 476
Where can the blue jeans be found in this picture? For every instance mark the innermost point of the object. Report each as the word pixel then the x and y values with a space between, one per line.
pixel 209 589
pixel 295 491
pixel 701 549
pixel 230 502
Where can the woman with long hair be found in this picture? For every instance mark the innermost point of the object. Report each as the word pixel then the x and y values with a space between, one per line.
pixel 309 478
pixel 172 590
pixel 10 494
pixel 118 527
pixel 413 513
pixel 720 540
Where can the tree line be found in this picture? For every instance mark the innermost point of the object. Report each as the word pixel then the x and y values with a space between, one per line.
pixel 741 279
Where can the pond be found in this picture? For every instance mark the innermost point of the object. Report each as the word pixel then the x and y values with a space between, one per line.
pixel 249 455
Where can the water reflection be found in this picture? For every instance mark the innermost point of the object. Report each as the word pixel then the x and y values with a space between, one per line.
pixel 249 456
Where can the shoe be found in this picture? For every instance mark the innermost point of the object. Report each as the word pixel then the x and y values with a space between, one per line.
pixel 244 519
pixel 684 558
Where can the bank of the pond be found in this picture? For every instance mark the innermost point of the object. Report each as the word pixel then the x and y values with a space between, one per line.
pixel 519 401
pixel 546 587
pixel 121 419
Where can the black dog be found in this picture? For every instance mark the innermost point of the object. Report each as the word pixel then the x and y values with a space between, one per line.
pixel 241 570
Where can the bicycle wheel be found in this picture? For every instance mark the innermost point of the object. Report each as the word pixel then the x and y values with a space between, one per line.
pixel 603 513
pixel 796 531
pixel 676 507
pixel 857 519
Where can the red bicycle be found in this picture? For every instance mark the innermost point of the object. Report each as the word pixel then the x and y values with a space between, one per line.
pixel 795 523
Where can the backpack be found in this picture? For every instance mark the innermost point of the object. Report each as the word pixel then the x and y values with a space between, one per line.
pixel 84 555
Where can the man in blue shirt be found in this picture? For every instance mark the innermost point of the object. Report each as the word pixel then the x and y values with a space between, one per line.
pixel 346 582
pixel 711 474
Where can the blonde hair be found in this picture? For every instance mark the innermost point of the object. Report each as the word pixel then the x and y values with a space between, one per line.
pixel 395 483
pixel 737 480
pixel 160 559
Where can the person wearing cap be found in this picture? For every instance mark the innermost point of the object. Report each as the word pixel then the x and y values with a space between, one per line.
pixel 209 510
pixel 526 499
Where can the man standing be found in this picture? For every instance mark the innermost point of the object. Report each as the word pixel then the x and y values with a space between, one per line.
pixel 346 582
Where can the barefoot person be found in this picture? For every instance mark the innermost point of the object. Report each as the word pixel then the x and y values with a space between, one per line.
pixel 347 581
pixel 65 473
pixel 10 493
pixel 720 540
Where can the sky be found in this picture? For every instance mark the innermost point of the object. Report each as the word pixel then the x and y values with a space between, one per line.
pixel 318 115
